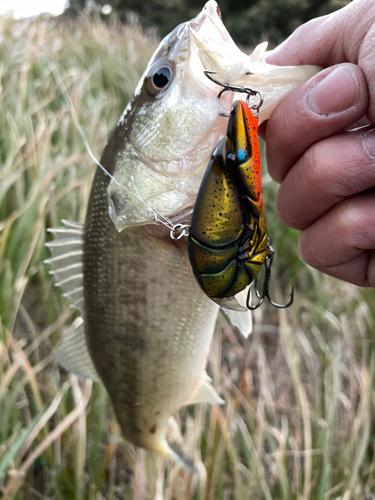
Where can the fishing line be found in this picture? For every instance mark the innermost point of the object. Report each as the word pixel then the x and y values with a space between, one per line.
pixel 166 222
pixel 177 231
pixel 81 132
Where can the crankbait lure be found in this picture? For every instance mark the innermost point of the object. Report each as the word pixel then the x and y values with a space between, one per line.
pixel 228 240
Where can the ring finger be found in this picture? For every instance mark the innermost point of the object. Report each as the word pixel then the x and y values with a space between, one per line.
pixel 341 243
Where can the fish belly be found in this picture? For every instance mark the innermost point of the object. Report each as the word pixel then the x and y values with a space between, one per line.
pixel 148 326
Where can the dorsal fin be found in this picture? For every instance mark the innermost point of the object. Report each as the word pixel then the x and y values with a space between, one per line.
pixel 73 355
pixel 66 260
pixel 67 270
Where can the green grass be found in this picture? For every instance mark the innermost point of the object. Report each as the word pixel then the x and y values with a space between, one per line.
pixel 298 422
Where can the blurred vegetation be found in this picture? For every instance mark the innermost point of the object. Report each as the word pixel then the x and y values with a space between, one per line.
pixel 299 418
pixel 248 21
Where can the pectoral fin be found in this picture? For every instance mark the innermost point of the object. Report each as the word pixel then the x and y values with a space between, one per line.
pixel 230 303
pixel 242 319
pixel 205 393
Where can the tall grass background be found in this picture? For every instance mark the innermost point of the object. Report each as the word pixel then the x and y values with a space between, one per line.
pixel 298 422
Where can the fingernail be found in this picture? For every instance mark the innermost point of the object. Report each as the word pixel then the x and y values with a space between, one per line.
pixel 369 143
pixel 337 92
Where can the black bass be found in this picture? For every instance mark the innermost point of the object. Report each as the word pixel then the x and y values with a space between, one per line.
pixel 146 326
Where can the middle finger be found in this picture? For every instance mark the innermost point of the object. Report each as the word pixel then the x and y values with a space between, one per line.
pixel 331 170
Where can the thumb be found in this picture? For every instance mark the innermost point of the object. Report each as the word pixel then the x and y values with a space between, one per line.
pixel 347 35
pixel 331 39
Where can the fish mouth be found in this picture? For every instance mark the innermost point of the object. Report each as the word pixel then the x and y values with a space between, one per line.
pixel 211 14
pixel 216 49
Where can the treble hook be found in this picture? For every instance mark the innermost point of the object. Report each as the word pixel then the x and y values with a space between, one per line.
pixel 266 285
pixel 228 87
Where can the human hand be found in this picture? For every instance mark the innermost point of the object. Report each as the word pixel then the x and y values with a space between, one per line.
pixel 327 173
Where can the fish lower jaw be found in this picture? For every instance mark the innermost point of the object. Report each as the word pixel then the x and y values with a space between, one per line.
pixel 145 216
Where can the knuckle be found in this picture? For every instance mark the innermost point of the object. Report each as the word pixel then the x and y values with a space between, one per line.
pixel 354 224
pixel 289 213
pixel 335 169
pixel 309 250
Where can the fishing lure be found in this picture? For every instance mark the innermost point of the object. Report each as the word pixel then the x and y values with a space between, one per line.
pixel 228 240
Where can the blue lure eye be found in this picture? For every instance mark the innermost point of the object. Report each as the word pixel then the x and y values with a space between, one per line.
pixel 242 155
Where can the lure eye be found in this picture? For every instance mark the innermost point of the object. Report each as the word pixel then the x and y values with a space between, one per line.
pixel 159 77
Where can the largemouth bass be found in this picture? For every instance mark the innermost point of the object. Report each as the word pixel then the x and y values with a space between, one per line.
pixel 147 326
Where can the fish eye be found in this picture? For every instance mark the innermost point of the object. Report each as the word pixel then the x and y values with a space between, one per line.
pixel 159 77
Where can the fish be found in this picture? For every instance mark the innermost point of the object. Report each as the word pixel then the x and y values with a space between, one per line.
pixel 145 326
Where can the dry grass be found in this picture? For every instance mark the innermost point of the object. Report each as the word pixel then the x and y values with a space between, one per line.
pixel 298 422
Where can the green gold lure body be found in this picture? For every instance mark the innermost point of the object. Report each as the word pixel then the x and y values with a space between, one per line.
pixel 228 231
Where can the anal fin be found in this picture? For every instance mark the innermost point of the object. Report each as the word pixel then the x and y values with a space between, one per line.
pixel 73 355
pixel 205 393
